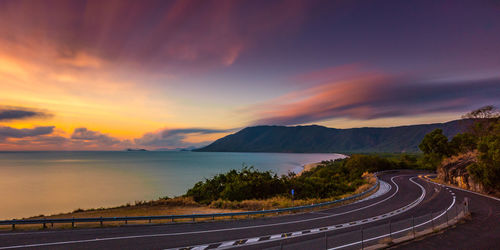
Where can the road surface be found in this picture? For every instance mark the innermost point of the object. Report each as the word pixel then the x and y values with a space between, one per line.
pixel 402 195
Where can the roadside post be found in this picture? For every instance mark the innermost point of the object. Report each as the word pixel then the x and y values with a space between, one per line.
pixel 466 204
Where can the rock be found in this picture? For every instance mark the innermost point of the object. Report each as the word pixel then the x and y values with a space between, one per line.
pixel 454 171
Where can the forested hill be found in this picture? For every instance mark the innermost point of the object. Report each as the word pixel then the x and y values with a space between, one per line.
pixel 319 139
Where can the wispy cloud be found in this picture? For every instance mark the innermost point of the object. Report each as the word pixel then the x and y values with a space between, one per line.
pixel 175 138
pixel 93 137
pixel 177 34
pixel 375 95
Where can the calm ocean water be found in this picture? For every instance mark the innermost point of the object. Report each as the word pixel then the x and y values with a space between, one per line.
pixel 33 183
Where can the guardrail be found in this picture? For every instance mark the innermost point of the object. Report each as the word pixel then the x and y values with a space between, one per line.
pixel 193 217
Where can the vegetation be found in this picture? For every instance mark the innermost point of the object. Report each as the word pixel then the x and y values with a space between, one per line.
pixel 327 180
pixel 487 168
pixel 483 138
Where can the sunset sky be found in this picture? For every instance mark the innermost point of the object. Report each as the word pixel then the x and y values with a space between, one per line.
pixel 108 75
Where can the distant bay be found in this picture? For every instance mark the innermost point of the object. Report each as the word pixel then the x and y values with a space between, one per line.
pixel 33 183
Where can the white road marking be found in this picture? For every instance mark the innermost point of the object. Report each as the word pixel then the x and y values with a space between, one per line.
pixel 297 233
pixel 200 247
pixel 227 244
pixel 276 236
pixel 253 240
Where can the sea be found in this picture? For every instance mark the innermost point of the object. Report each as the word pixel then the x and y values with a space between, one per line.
pixel 34 183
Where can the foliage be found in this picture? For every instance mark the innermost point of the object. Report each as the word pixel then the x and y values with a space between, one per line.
pixel 435 147
pixel 486 112
pixel 327 180
pixel 248 183
pixel 462 143
pixel 483 136
pixel 487 169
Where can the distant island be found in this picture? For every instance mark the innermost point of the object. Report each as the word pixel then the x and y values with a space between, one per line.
pixel 319 139
pixel 136 149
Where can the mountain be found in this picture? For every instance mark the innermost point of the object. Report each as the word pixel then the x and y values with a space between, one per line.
pixel 319 139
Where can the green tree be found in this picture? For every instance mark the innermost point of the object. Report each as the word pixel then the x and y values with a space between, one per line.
pixel 435 147
pixel 487 169
pixel 462 143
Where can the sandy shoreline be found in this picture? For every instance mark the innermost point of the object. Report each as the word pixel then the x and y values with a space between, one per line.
pixel 308 167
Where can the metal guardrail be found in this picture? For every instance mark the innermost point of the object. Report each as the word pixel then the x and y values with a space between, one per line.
pixel 125 219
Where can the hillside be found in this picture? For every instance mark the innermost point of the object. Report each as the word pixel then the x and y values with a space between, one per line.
pixel 319 139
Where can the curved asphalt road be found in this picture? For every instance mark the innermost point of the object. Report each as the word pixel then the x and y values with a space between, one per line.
pixel 408 192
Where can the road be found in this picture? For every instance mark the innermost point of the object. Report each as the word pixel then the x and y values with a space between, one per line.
pixel 402 195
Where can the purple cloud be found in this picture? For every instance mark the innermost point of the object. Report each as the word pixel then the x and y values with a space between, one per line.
pixel 378 96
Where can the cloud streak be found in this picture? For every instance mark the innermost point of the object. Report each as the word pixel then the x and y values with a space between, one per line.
pixel 175 138
pixel 17 113
pixel 93 137
pixel 9 132
pixel 372 96
pixel 192 33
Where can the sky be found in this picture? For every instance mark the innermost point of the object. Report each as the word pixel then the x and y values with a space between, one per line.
pixel 110 75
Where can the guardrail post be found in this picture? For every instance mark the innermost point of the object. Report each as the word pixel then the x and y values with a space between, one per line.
pixel 44 224
pixel 390 229
pixel 446 212
pixel 193 218
pixel 150 220
pixel 126 221
pixel 73 222
pixel 413 226
pixel 432 220
pixel 13 225
pixel 362 242
pixel 326 241
pixel 101 221
pixel 52 224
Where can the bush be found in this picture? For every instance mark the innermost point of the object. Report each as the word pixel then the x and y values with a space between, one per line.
pixel 329 179
pixel 487 169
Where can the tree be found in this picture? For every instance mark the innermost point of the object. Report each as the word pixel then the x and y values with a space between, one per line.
pixel 435 143
pixel 487 169
pixel 486 112
pixel 435 147
pixel 462 143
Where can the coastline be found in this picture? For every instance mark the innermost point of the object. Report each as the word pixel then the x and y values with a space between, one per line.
pixel 308 167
